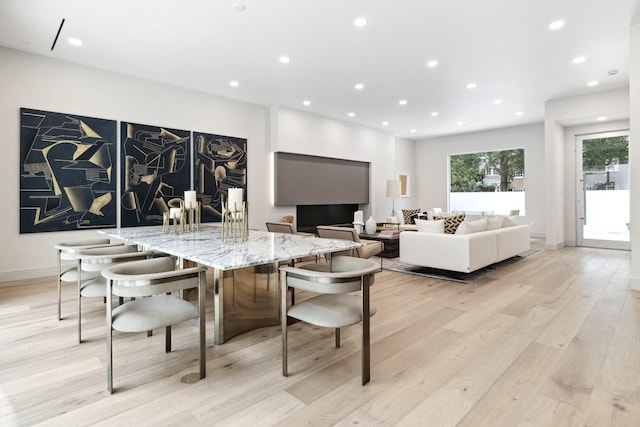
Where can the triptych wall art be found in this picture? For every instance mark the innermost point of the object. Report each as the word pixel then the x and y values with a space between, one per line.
pixel 69 167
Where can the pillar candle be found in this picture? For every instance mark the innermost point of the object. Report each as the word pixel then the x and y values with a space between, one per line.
pixel 235 199
pixel 190 199
pixel 174 213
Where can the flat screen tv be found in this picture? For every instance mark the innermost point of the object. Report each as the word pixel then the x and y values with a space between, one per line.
pixel 310 216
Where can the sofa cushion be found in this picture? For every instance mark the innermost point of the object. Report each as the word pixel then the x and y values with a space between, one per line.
pixel 409 215
pixel 468 227
pixel 425 226
pixel 494 222
pixel 451 222
pixel 509 221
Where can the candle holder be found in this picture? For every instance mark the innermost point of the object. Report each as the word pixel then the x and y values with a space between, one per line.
pixel 235 222
pixel 193 217
pixel 179 218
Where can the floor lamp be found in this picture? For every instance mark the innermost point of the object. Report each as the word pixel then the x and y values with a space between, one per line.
pixel 393 191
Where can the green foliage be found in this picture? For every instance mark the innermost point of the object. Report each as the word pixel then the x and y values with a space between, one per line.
pixel 601 152
pixel 468 170
pixel 466 173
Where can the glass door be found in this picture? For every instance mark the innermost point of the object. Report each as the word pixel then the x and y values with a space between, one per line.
pixel 603 190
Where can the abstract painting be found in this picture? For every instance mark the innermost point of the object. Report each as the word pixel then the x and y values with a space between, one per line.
pixel 220 164
pixel 67 179
pixel 155 165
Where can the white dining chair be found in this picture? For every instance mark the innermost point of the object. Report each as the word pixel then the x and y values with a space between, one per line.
pixel 333 305
pixel 151 282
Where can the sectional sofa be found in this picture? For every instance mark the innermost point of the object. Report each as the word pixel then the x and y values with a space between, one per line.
pixel 463 252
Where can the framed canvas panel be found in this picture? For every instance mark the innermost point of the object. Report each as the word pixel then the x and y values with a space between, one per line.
pixel 405 184
pixel 220 164
pixel 67 172
pixel 155 163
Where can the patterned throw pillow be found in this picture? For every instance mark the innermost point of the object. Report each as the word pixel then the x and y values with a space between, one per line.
pixel 409 215
pixel 451 222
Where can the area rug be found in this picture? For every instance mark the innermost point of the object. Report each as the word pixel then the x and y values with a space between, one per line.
pixel 393 264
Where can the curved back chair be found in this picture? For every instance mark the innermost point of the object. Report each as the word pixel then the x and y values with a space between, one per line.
pixel 155 279
pixel 66 252
pixel 368 249
pixel 281 227
pixel 92 261
pixel 334 306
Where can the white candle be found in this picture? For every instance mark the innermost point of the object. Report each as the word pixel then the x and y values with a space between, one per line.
pixel 190 200
pixel 174 213
pixel 235 199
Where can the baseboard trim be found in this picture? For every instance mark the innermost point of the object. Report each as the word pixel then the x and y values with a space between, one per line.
pixel 32 273
pixel 554 246
pixel 634 283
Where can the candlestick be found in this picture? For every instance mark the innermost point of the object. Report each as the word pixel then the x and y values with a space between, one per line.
pixel 190 200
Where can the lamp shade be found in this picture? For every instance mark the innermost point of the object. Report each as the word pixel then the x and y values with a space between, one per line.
pixel 393 188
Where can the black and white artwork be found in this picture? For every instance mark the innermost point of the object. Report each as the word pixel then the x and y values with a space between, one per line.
pixel 67 172
pixel 155 164
pixel 220 164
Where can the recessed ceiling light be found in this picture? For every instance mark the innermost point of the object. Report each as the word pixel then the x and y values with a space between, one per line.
pixel 593 83
pixel 556 25
pixel 461 123
pixel 433 63
pixel 497 101
pixel 352 114
pixel 360 22
pixel 601 119
pixel 359 86
pixel 434 114
pixel 413 131
pixel 385 123
pixel 579 59
pixel 612 72
pixel 285 59
pixel 306 103
pixel 518 113
pixel 74 42
pixel 402 102
pixel 234 83
pixel 471 85
pixel 239 7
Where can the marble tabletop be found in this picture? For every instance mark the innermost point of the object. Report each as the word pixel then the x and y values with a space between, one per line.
pixel 207 248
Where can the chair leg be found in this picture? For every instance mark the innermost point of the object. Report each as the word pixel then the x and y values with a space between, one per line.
pixel 366 322
pixel 202 286
pixel 59 285
pixel 149 334
pixel 167 342
pixel 337 337
pixel 109 340
pixel 283 320
pixel 79 301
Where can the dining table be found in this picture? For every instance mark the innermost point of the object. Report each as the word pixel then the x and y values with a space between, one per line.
pixel 245 272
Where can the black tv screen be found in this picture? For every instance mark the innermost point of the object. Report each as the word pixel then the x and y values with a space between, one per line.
pixel 310 216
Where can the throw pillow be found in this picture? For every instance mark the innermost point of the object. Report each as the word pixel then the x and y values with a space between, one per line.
pixel 408 213
pixel 509 221
pixel 425 226
pixel 451 222
pixel 494 222
pixel 468 227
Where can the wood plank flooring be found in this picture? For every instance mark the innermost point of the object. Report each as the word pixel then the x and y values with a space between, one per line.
pixel 550 340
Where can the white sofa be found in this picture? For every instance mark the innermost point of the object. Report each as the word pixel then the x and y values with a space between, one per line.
pixel 463 252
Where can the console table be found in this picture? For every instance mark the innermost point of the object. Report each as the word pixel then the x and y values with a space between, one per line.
pixel 239 304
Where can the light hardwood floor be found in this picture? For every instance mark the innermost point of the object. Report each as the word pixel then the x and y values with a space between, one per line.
pixel 551 340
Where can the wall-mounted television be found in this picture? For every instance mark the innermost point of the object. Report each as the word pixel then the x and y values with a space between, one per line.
pixel 313 180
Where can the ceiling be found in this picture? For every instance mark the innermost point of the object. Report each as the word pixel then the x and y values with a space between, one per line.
pixel 505 47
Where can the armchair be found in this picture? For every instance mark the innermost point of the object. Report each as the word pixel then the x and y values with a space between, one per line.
pixel 368 249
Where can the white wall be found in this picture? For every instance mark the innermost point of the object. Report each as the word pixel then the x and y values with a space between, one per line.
pixel 304 133
pixel 405 164
pixel 432 166
pixel 41 83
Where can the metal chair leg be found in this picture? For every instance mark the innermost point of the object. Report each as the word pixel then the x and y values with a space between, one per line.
pixel 167 340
